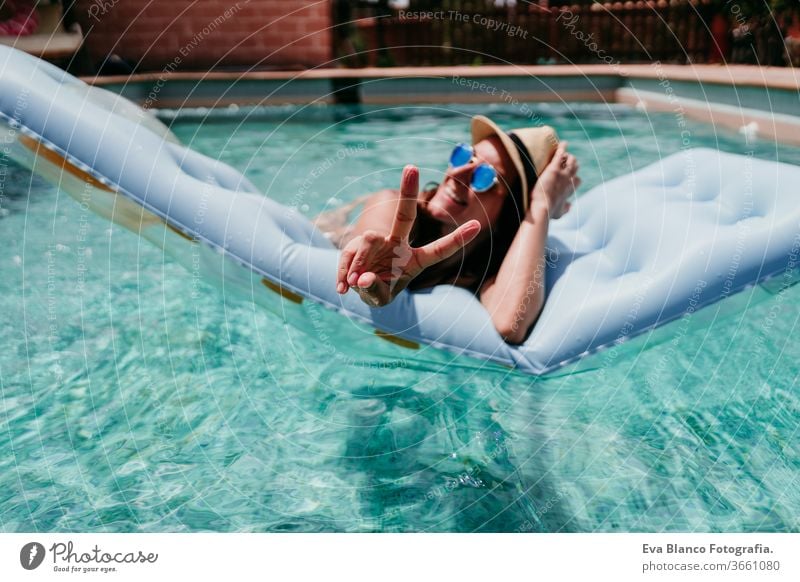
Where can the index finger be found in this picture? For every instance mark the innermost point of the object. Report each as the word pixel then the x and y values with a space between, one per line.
pixel 407 205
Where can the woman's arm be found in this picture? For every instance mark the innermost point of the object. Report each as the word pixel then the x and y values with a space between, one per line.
pixel 335 223
pixel 515 296
pixel 378 215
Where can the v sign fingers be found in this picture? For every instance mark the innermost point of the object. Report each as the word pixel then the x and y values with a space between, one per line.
pixel 448 245
pixel 378 267
pixel 407 204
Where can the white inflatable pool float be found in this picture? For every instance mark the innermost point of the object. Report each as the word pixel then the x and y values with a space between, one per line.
pixel 633 254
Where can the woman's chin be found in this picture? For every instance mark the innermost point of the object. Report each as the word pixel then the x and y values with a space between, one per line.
pixel 447 213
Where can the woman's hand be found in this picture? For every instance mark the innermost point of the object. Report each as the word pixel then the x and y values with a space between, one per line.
pixel 378 267
pixel 557 183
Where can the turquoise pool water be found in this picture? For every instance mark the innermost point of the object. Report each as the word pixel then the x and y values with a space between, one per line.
pixel 127 404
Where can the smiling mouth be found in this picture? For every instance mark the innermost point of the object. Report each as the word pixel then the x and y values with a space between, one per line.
pixel 452 196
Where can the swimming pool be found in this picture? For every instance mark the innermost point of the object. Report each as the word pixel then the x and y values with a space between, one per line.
pixel 135 398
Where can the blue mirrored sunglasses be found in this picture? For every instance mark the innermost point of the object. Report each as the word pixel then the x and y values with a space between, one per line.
pixel 484 176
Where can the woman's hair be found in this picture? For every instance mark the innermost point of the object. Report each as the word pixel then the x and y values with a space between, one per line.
pixel 481 259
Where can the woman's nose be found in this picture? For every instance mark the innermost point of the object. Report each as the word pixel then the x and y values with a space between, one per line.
pixel 462 173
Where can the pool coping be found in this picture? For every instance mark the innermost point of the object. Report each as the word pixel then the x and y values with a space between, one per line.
pixel 738 75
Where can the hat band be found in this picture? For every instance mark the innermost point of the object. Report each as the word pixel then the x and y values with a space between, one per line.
pixel 527 165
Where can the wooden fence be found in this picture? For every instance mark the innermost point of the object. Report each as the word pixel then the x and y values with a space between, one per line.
pixel 485 32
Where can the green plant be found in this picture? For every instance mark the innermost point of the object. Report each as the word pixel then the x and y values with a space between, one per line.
pixel 748 8
pixel 781 5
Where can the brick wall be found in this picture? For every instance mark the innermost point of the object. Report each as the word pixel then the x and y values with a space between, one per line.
pixel 201 34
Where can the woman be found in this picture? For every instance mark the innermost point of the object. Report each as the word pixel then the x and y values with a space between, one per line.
pixel 493 205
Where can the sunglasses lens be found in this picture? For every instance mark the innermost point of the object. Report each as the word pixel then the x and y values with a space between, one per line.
pixel 461 155
pixel 483 178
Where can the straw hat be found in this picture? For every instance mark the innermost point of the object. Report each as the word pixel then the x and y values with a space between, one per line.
pixel 530 148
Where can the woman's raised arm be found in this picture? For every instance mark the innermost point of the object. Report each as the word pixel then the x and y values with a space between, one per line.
pixel 515 296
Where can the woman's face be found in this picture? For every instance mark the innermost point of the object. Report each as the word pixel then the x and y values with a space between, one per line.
pixel 456 203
